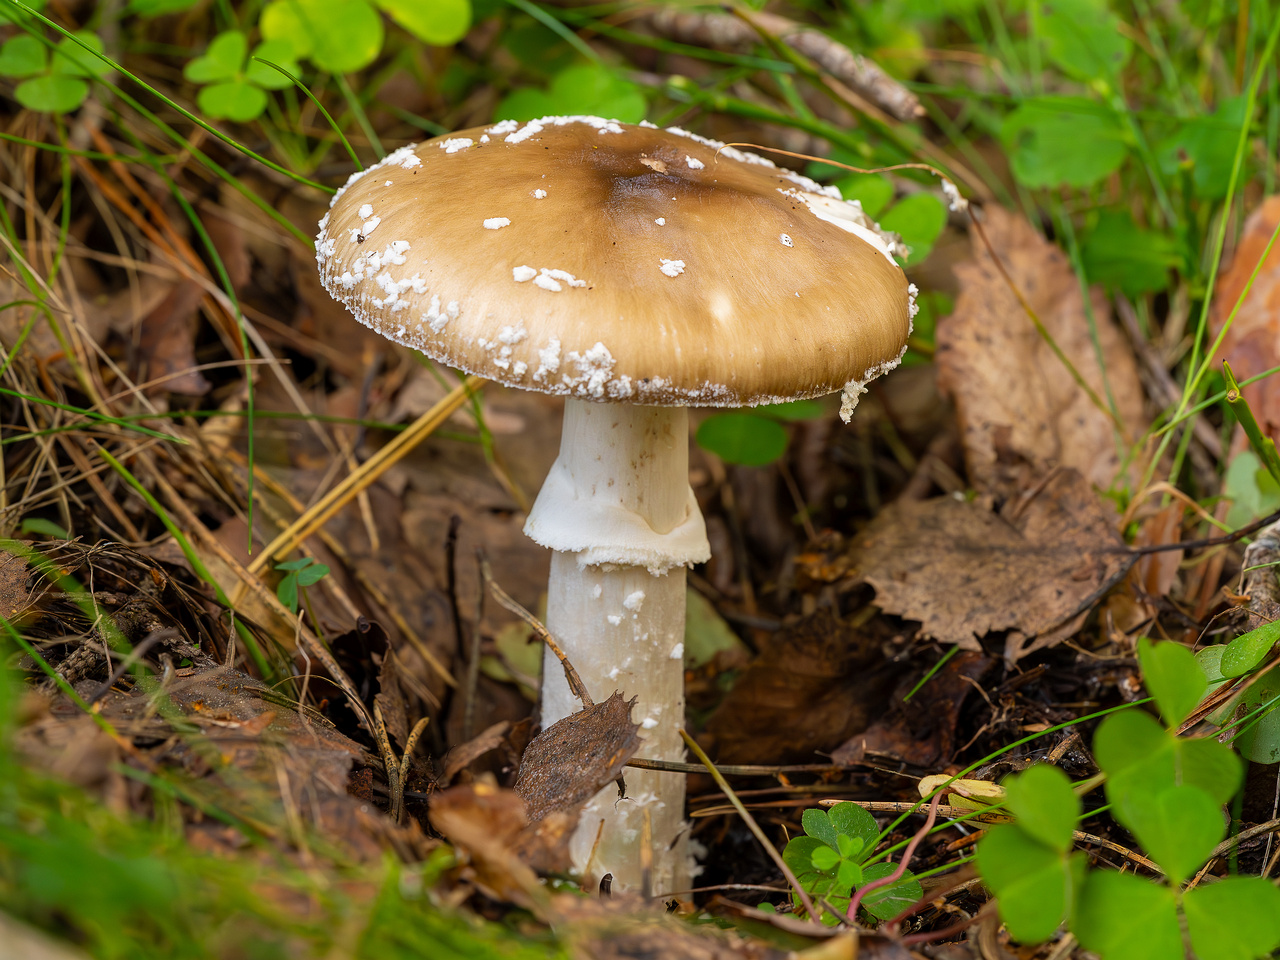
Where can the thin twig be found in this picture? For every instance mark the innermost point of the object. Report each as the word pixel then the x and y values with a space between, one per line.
pixel 576 686
pixel 754 827
pixel 473 663
pixel 907 854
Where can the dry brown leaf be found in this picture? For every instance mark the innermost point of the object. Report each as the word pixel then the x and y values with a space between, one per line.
pixel 1020 411
pixel 463 754
pixel 813 686
pixel 964 572
pixel 167 342
pixel 576 757
pixel 15 587
pixel 1252 345
pixel 922 731
pixel 565 766
pixel 482 821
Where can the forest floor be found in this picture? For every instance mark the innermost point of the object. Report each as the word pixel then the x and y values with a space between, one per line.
pixel 949 584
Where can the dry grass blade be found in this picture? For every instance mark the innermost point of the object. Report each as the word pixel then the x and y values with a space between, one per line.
pixel 397 797
pixel 365 475
pixel 754 827
pixel 367 584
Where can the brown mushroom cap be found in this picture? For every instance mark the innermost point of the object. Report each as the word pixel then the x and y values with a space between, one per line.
pixel 585 257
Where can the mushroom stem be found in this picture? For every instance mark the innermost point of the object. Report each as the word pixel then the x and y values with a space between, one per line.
pixel 619 512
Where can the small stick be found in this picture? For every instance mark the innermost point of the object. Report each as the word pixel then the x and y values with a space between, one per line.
pixel 576 686
pixel 754 827
pixel 734 769
pixel 471 651
pixel 902 864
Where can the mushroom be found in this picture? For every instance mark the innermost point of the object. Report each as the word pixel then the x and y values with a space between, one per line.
pixel 636 272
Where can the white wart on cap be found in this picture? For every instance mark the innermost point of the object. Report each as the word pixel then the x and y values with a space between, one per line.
pixel 590 258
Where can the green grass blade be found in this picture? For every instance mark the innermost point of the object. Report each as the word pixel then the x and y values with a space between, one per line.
pixel 250 641
pixel 319 106
pixel 207 127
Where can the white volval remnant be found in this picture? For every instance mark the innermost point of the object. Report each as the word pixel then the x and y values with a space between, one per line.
pixel 672 268
pixel 677 652
pixel 369 226
pixel 435 318
pixel 503 128
pixel 694 163
pixel 615 619
pixel 786 240
pixel 661 221
pixel 648 723
pixel 595 370
pixel 912 307
pixel 539 194
pixel 513 335
pixel 518 368
pixel 854 389
pixel 387 183
pixel 597 591
pixel 365 212
pixel 534 127
pixel 733 153
pixel 548 362
pixel 454 144
pixel 546 278
pixel 484 138
pixel 634 601
pixel 497 223
pixel 393 253
pixel 848 215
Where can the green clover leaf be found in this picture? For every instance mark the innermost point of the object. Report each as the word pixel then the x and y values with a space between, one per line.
pixel 338 36
pixel 236 88
pixel 440 23
pixel 1123 917
pixel 885 903
pixel 23 56
pixel 297 574
pixel 1173 677
pixel 55 84
pixel 72 59
pixel 221 61
pixel 236 100
pixel 1063 140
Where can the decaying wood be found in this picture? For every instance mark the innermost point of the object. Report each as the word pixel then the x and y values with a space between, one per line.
pixel 724 31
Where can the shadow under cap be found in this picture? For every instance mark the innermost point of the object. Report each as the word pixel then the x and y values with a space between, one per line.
pixel 606 261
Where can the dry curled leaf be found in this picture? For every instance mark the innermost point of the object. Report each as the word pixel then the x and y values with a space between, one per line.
pixel 1020 411
pixel 964 571
pixel 482 821
pixel 167 341
pixel 463 754
pixel 922 730
pixel 813 686
pixel 575 758
pixel 1252 344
